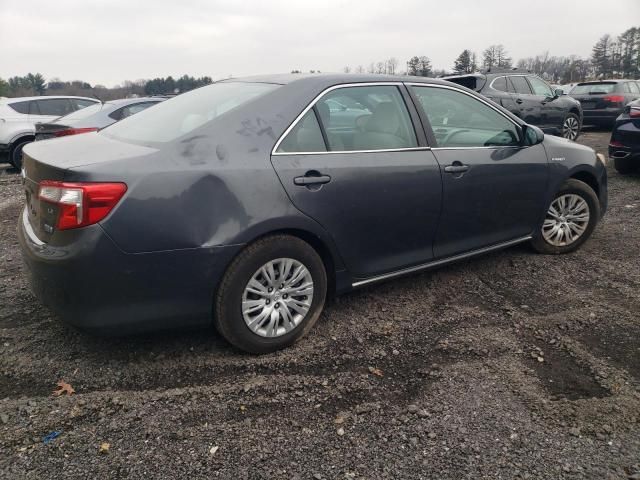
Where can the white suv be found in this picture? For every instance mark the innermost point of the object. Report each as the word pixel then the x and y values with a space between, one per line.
pixel 18 117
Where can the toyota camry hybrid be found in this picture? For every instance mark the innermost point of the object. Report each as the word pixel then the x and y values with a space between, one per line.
pixel 246 203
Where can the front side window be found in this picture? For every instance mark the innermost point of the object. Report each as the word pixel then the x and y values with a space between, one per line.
pixel 20 107
pixel 539 87
pixel 371 118
pixel 520 85
pixel 180 115
pixel 460 120
pixel 306 136
pixel 55 107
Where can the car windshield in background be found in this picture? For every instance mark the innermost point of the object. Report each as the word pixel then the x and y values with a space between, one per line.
pixel 184 113
pixel 84 112
pixel 593 88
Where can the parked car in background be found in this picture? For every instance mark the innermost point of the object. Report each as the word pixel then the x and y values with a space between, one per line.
pixel 603 100
pixel 242 204
pixel 567 87
pixel 528 97
pixel 624 147
pixel 95 117
pixel 18 117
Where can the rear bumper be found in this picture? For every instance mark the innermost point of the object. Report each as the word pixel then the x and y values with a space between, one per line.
pixel 607 115
pixel 94 286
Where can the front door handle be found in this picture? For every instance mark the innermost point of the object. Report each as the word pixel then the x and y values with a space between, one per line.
pixel 312 180
pixel 518 101
pixel 456 168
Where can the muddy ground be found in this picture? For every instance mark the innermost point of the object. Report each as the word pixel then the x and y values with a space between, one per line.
pixel 513 365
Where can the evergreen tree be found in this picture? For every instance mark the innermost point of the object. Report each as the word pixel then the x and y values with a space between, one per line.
pixel 463 63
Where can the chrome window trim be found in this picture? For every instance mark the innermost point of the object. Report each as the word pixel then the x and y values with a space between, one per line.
pixel 440 262
pixel 323 93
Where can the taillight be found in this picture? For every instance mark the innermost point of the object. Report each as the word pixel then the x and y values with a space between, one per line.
pixel 73 131
pixel 634 112
pixel 615 143
pixel 616 99
pixel 81 204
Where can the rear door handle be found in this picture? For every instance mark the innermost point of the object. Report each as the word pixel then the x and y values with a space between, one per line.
pixel 456 168
pixel 312 180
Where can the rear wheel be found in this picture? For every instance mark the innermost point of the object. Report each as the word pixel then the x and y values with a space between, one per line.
pixel 271 295
pixel 571 217
pixel 15 157
pixel 626 165
pixel 571 127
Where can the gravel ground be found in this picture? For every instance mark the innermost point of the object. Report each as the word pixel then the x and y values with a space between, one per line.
pixel 513 365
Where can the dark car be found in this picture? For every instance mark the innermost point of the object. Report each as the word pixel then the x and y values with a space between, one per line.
pixel 624 146
pixel 95 117
pixel 528 97
pixel 604 100
pixel 241 204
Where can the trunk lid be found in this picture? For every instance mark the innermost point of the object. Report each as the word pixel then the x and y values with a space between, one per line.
pixel 53 159
pixel 45 131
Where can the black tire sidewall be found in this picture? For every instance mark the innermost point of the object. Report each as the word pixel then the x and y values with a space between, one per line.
pixel 572 186
pixel 16 154
pixel 228 317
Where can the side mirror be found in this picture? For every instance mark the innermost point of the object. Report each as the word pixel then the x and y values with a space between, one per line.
pixel 558 92
pixel 532 135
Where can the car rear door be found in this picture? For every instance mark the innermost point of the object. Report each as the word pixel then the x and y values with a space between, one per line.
pixel 529 106
pixel 372 183
pixel 493 186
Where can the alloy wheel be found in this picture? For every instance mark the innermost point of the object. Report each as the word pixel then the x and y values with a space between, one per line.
pixel 566 221
pixel 277 297
pixel 570 128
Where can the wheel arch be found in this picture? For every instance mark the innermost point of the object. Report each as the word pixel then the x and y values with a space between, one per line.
pixel 588 178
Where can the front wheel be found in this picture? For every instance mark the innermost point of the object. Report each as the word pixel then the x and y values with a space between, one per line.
pixel 571 218
pixel 271 295
pixel 571 127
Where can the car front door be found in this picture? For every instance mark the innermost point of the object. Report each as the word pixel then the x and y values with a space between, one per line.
pixel 373 184
pixel 552 112
pixel 529 106
pixel 493 186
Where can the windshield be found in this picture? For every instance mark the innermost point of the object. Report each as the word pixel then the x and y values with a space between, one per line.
pixel 180 115
pixel 84 112
pixel 593 88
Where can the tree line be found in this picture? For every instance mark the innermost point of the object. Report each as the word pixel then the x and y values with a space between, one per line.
pixel 33 84
pixel 611 57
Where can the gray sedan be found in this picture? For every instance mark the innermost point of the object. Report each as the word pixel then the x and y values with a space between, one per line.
pixel 243 205
pixel 95 117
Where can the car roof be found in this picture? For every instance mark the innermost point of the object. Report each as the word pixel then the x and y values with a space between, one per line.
pixel 329 79
pixel 43 97
pixel 613 80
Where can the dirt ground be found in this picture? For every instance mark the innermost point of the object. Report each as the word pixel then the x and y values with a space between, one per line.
pixel 510 366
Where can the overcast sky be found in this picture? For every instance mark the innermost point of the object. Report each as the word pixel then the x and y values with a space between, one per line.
pixel 108 41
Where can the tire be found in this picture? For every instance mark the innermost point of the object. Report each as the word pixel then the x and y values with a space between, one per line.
pixel 626 165
pixel 15 156
pixel 233 324
pixel 571 127
pixel 571 189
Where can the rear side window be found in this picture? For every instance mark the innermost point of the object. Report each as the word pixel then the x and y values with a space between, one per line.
pixel 84 112
pixel 500 83
pixel 20 107
pixel 55 107
pixel 520 85
pixel 182 114
pixel 129 110
pixel 374 118
pixel 633 87
pixel 593 88
pixel 460 120
pixel 306 136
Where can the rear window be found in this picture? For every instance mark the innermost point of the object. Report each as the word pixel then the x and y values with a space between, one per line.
pixel 20 107
pixel 84 112
pixel 471 83
pixel 593 88
pixel 180 115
